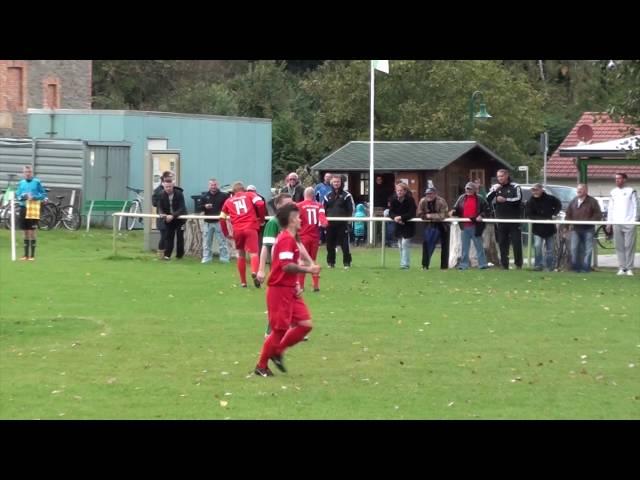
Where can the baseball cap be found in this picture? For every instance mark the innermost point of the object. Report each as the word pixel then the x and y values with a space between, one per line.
pixel 251 188
pixel 470 185
pixel 430 190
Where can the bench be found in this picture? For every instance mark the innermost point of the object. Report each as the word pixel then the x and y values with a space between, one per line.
pixel 91 206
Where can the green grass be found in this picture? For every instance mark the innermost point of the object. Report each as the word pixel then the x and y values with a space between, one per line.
pixel 88 336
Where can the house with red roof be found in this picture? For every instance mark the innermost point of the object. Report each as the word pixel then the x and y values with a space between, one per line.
pixel 591 128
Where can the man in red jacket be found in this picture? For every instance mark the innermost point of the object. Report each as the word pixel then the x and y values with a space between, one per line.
pixel 246 211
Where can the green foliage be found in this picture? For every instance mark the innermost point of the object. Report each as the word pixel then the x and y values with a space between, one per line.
pixel 318 106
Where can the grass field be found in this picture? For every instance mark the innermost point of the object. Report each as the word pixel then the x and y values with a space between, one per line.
pixel 87 336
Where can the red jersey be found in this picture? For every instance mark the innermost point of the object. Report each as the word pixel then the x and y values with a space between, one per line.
pixel 285 251
pixel 244 209
pixel 311 216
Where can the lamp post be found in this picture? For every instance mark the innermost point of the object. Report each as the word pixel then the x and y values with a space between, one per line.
pixel 482 113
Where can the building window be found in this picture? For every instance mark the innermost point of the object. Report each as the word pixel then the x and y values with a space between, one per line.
pixel 15 89
pixel 52 95
pixel 51 92
pixel 364 184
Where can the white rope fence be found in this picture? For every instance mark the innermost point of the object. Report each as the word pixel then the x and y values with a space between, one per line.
pixel 384 220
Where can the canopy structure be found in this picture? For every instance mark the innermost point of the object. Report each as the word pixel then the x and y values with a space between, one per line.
pixel 624 151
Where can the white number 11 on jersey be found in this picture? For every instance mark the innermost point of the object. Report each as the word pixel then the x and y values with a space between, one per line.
pixel 312 216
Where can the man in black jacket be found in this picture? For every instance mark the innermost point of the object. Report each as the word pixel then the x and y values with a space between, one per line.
pixel 542 206
pixel 402 208
pixel 172 205
pixel 506 197
pixel 211 203
pixel 338 203
pixel 155 199
pixel 293 187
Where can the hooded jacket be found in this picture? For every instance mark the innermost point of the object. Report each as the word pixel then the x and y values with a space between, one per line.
pixel 543 208
pixel 359 227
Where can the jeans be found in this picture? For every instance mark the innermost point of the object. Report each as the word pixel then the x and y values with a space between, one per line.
pixel 208 232
pixel 468 236
pixel 405 252
pixel 581 248
pixel 549 253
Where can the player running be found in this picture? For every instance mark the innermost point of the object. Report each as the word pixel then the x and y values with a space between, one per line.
pixel 289 317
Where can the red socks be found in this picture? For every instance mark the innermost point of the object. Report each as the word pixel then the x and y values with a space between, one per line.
pixel 270 346
pixel 293 336
pixel 255 263
pixel 242 269
pixel 316 280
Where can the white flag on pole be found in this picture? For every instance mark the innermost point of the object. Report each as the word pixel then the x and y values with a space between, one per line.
pixel 382 65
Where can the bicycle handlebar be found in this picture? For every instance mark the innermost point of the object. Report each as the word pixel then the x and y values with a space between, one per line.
pixel 135 190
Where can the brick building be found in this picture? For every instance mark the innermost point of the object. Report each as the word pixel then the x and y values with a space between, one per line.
pixel 28 84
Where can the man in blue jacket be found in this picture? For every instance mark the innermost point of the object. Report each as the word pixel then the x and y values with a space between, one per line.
pixel 29 188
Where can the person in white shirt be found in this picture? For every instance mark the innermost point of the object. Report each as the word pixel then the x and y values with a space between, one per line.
pixel 623 208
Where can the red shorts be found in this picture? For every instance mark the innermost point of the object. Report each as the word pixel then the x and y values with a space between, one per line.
pixel 285 309
pixel 311 244
pixel 246 240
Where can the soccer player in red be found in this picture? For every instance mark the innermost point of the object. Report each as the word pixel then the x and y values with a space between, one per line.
pixel 246 211
pixel 311 217
pixel 289 317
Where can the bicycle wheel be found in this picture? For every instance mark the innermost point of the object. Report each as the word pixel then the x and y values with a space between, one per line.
pixel 48 218
pixel 134 208
pixel 71 218
pixel 6 218
pixel 605 240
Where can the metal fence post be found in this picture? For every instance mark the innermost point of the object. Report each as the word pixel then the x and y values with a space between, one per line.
pixel 384 236
pixel 113 224
pixel 529 243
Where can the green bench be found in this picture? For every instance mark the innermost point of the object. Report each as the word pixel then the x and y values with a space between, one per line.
pixel 103 206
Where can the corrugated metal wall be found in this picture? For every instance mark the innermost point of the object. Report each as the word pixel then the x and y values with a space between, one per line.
pixel 57 163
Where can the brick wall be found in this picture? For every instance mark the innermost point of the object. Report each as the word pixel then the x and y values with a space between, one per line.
pixel 72 80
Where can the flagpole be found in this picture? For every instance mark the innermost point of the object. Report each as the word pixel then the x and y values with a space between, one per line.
pixel 371 179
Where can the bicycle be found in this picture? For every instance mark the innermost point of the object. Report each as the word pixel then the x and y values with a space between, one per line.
pixel 605 237
pixel 54 214
pixel 135 207
pixel 5 205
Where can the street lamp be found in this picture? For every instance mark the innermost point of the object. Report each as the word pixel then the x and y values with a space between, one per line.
pixel 481 115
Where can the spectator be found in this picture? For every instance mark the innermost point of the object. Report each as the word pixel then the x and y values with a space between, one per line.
pixel 155 199
pixel 543 206
pixel 434 208
pixel 211 204
pixel 623 208
pixel 507 196
pixel 293 187
pixel 584 208
pixel 471 205
pixel 359 228
pixel 171 204
pixel 29 194
pixel 482 192
pixel 402 208
pixel 338 203
pixel 322 188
